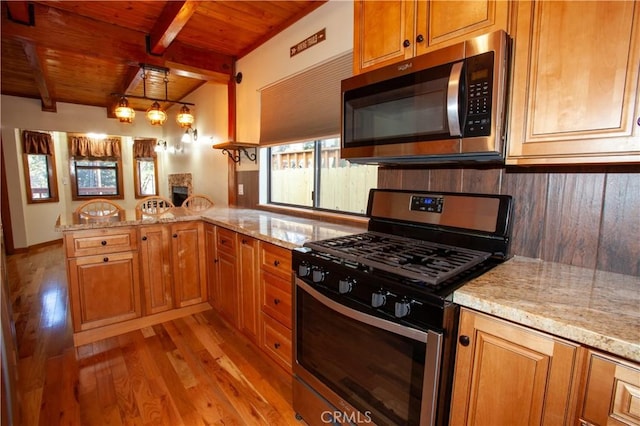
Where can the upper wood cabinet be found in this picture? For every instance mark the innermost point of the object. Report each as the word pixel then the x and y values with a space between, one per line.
pixel 507 374
pixel 386 32
pixel 574 96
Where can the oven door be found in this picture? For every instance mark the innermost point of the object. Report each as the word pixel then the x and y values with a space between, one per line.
pixel 370 369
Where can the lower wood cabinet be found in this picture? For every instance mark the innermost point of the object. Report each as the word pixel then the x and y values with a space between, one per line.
pixel 611 393
pixel 104 289
pixel 249 309
pixel 506 374
pixel 155 258
pixel 188 263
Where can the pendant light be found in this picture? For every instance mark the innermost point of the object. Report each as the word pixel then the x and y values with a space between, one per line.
pixel 184 117
pixel 124 112
pixel 155 114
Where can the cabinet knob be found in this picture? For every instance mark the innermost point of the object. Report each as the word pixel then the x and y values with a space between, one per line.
pixel 216 260
pixel 420 38
pixel 638 121
pixel 276 262
pixel 244 241
pixel 105 259
pixel 276 301
pixel 276 345
pixel 175 235
pixel 406 43
pixel 464 340
pixel 103 242
pixel 144 238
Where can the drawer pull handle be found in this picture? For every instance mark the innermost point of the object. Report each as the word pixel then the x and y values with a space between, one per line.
pixel 276 301
pixel 175 235
pixel 276 345
pixel 144 238
pixel 106 259
pixel 276 263
pixel 103 242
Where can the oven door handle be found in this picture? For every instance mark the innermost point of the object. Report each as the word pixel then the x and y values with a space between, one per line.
pixel 392 327
pixel 453 99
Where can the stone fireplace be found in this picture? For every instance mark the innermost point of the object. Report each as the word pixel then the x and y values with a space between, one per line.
pixel 180 187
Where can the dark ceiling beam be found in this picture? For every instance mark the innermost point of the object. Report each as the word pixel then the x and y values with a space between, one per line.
pixel 65 31
pixel 173 18
pixel 20 12
pixel 40 76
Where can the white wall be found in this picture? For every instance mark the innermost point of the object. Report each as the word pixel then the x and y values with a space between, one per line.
pixel 34 223
pixel 271 62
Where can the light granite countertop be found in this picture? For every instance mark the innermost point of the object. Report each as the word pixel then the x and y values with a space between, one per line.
pixel 596 308
pixel 279 229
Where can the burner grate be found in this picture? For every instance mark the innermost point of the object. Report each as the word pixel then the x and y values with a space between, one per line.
pixel 426 261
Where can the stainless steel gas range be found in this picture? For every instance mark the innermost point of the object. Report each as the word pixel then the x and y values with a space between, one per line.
pixel 375 326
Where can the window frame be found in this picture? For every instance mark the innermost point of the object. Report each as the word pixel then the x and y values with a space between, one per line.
pixel 52 177
pixel 74 179
pixel 317 178
pixel 136 177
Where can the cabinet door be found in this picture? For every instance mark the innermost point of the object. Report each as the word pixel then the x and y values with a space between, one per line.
pixel 575 83
pixel 381 29
pixel 445 22
pixel 228 286
pixel 155 256
pixel 104 289
pixel 612 392
pixel 248 287
pixel 212 265
pixel 188 263
pixel 508 374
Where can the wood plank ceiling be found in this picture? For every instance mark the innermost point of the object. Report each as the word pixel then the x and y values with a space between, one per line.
pixel 82 52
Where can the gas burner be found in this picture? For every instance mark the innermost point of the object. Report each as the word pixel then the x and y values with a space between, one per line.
pixel 425 261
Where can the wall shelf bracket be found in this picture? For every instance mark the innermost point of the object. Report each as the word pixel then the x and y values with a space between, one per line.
pixel 235 150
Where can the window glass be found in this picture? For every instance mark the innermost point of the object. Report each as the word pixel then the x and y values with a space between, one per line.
pixel 292 174
pixel 146 177
pixel 96 178
pixel 344 186
pixel 299 171
pixel 38 165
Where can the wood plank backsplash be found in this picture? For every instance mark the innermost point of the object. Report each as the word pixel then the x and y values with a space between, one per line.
pixel 588 216
pixel 579 216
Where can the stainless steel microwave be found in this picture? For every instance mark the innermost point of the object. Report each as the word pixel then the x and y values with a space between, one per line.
pixel 445 106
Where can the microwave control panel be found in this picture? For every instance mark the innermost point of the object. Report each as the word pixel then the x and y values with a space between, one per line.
pixel 479 75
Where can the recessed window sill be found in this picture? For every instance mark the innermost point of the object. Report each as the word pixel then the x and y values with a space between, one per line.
pixel 315 214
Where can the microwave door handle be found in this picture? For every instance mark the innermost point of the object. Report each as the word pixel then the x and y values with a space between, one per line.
pixel 453 99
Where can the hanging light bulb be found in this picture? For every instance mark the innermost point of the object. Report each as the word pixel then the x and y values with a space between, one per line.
pixel 184 117
pixel 156 115
pixel 124 112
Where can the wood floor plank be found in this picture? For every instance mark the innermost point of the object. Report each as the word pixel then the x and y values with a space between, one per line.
pixel 191 371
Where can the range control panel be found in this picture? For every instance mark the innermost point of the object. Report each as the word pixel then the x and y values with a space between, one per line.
pixel 426 204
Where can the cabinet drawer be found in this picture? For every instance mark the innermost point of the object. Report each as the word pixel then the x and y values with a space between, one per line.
pixel 100 241
pixel 276 298
pixel 276 260
pixel 226 241
pixel 276 341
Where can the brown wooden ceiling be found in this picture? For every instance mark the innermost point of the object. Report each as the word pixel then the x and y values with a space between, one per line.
pixel 83 51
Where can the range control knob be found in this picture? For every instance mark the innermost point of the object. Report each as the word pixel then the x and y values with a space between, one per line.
pixel 345 285
pixel 378 299
pixel 304 269
pixel 318 275
pixel 403 308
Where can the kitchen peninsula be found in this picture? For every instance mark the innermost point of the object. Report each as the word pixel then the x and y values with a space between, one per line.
pixel 132 270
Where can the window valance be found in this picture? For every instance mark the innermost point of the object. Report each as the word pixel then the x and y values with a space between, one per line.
pixel 83 146
pixel 37 143
pixel 144 148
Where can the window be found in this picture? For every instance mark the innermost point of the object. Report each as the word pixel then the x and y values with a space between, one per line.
pixel 145 167
pixel 96 167
pixel 39 165
pixel 311 174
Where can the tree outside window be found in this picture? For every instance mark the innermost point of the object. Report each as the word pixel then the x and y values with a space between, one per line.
pixel 145 167
pixel 96 167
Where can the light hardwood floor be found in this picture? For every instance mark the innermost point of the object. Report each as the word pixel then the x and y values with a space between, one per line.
pixel 195 370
